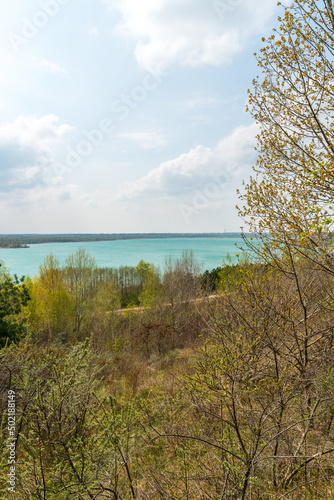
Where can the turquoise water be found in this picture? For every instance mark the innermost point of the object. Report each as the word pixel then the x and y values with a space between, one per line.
pixel 209 252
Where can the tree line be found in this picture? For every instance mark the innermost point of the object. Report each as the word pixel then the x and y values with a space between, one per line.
pixel 24 240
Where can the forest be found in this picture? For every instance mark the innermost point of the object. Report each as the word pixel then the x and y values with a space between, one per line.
pixel 140 383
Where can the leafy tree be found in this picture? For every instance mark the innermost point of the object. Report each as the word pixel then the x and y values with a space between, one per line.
pixel 14 296
pixel 103 322
pixel 152 291
pixel 291 195
pixel 142 269
pixel 80 283
pixel 51 307
pixel 210 279
pixel 221 277
pixel 129 282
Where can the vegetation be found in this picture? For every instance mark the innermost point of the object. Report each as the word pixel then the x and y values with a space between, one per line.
pixel 221 277
pixel 14 296
pixel 181 398
pixel 140 384
pixel 291 196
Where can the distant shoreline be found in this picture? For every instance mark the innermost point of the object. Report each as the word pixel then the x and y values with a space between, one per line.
pixel 11 241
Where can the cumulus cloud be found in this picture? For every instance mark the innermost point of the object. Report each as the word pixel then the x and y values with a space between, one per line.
pixel 231 158
pixel 190 32
pixel 26 150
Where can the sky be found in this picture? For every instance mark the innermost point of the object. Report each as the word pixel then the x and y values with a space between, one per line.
pixel 126 116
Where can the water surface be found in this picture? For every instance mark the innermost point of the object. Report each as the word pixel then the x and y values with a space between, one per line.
pixel 209 252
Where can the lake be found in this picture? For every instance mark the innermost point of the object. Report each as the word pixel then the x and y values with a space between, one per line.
pixel 209 252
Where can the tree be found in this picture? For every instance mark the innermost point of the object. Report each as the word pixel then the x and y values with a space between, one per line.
pixel 142 269
pixel 14 296
pixel 129 282
pixel 102 323
pixel 181 278
pixel 51 307
pixel 151 294
pixel 291 195
pixel 80 283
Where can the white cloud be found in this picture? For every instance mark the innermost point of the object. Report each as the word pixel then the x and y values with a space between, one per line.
pixel 52 67
pixel 146 140
pixel 190 32
pixel 27 151
pixel 43 196
pixel 231 158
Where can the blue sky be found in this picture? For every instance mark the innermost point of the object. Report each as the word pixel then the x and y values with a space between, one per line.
pixel 126 115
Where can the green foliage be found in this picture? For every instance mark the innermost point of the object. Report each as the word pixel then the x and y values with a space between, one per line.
pixel 290 193
pixel 210 279
pixel 152 290
pixel 14 296
pixel 142 269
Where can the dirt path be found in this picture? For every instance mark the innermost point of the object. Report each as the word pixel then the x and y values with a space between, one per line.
pixel 140 309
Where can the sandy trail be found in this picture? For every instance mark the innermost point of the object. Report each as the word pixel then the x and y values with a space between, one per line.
pixel 140 309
